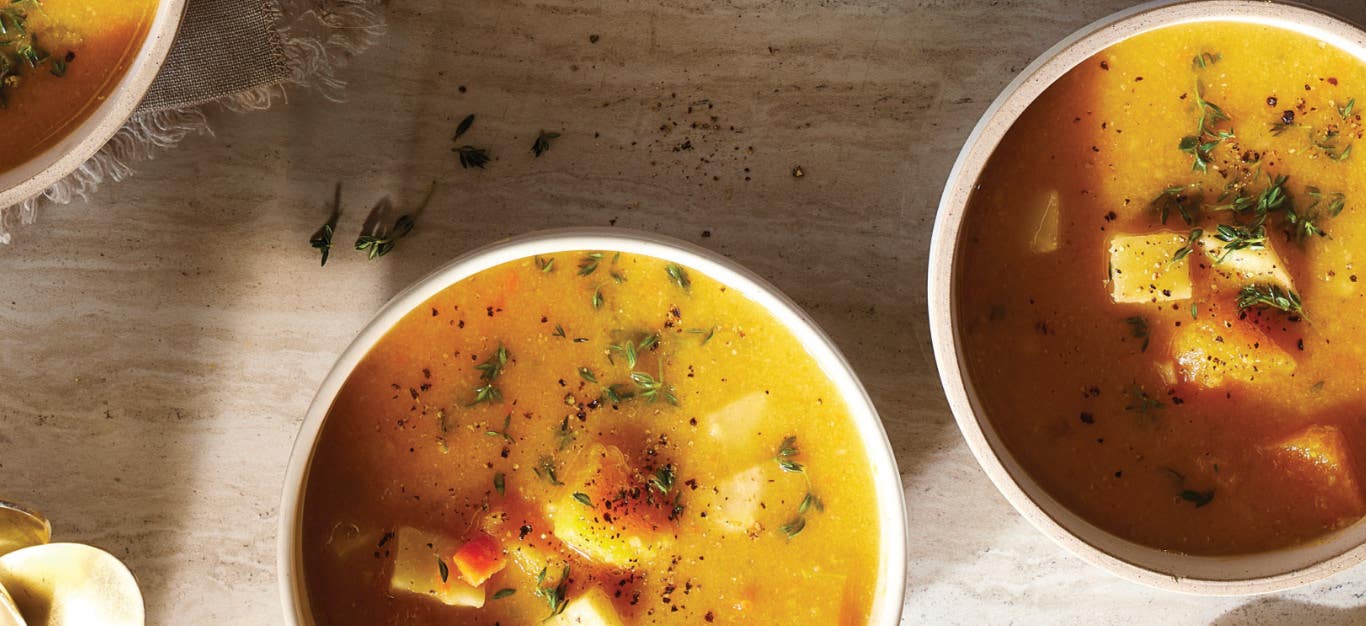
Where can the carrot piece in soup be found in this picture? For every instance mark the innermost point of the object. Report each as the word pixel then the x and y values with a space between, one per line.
pixel 480 558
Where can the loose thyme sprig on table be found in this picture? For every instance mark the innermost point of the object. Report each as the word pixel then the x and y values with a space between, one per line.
pixel 379 243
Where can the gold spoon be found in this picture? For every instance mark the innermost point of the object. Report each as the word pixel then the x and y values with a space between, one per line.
pixel 70 584
pixel 9 614
pixel 21 527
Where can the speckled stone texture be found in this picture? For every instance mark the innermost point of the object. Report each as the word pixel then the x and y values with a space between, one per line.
pixel 157 351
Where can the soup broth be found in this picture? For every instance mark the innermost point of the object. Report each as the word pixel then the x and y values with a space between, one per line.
pixel 589 437
pixel 1160 289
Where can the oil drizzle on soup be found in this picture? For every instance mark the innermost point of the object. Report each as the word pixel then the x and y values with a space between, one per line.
pixel 1160 289
pixel 589 435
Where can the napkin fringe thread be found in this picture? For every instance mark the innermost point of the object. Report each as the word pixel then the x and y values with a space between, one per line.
pixel 316 40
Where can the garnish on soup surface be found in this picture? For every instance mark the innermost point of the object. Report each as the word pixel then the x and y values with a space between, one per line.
pixel 1160 292
pixel 58 60
pixel 589 437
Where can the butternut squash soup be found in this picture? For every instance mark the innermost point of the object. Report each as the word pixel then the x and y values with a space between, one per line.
pixel 1160 297
pixel 58 60
pixel 589 438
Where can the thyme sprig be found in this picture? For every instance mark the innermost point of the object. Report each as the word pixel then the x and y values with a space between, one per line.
pixel 787 451
pixel 1179 199
pixel 1142 403
pixel 589 263
pixel 653 389
pixel 1237 238
pixel 507 421
pixel 556 597
pixel 1189 247
pixel 1138 327
pixel 663 480
pixel 379 243
pixel 1207 135
pixel 323 242
pixel 490 370
pixel 1205 59
pixel 679 276
pixel 631 349
pixel 545 469
pixel 1272 297
pixel 322 239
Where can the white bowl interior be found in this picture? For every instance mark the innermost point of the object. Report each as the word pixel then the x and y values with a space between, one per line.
pixel 86 138
pixel 889 595
pixel 1231 575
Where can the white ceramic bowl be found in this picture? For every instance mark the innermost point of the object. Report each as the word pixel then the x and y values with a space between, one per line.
pixel 890 593
pixel 82 142
pixel 1232 575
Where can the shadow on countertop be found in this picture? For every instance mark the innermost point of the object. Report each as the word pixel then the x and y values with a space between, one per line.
pixel 1279 611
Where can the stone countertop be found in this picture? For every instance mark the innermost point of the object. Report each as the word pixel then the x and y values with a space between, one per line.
pixel 159 345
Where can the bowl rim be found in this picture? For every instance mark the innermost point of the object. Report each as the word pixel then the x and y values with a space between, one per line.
pixel 1061 524
pixel 889 597
pixel 82 141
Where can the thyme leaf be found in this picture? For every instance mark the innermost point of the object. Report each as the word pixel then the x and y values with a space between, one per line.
pixel 471 156
pixel 556 597
pixel 663 480
pixel 589 263
pixel 542 142
pixel 1138 327
pixel 653 390
pixel 464 126
pixel 679 276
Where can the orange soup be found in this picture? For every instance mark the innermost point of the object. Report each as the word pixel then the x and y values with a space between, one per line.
pixel 589 438
pixel 58 60
pixel 1161 289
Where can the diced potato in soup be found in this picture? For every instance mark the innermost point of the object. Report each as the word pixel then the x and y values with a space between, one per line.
pixel 1245 266
pixel 603 514
pixel 590 609
pixel 1321 455
pixel 1211 354
pixel 589 438
pixel 1143 268
pixel 421 567
pixel 1182 371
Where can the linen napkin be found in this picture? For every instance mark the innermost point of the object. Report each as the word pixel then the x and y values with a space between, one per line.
pixel 240 55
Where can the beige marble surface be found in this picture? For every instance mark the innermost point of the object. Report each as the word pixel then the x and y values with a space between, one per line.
pixel 158 345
